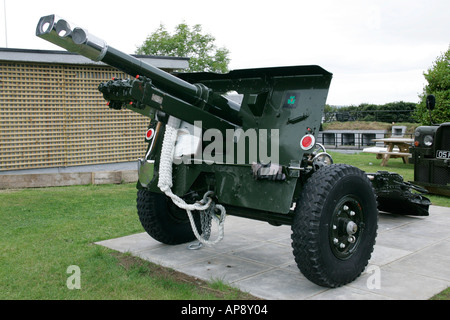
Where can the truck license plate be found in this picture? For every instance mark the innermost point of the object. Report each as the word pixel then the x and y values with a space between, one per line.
pixel 442 154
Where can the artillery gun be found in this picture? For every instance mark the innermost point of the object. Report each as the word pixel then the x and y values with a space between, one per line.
pixel 209 156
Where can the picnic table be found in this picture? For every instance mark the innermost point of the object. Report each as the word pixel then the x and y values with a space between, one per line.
pixel 394 148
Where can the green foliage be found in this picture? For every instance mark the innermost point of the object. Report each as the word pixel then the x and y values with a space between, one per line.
pixel 438 78
pixel 390 112
pixel 188 42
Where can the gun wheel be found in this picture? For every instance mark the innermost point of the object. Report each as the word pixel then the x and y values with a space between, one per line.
pixel 335 225
pixel 163 220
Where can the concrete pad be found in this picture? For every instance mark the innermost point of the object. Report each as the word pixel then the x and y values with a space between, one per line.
pixel 264 253
pixel 399 284
pixel 133 243
pixel 225 268
pixel 402 239
pixel 383 255
pixel 425 263
pixel 177 257
pixel 411 260
pixel 270 285
pixel 348 293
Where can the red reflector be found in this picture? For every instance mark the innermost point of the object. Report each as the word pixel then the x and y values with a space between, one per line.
pixel 150 134
pixel 307 142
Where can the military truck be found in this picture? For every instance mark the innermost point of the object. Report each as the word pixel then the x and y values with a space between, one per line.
pixel 431 155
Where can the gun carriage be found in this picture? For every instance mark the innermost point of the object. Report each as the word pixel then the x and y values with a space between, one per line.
pixel 209 156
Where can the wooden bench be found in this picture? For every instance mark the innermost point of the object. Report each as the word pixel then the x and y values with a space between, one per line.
pixel 382 153
pixel 374 150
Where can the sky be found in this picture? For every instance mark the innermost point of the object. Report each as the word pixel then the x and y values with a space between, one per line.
pixel 377 50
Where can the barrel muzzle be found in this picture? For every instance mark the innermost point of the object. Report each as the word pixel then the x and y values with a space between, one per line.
pixel 70 37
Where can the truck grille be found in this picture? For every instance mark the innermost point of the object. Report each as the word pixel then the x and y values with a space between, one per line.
pixel 444 138
pixel 441 175
pixel 422 172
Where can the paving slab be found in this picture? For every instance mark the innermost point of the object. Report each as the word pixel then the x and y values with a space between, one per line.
pixel 411 260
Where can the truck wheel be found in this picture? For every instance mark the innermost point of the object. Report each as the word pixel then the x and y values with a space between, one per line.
pixel 335 225
pixel 163 220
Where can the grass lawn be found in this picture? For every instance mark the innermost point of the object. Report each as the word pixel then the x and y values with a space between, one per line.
pixel 44 231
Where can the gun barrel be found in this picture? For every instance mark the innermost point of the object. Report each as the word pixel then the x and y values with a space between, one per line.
pixel 78 40
pixel 72 38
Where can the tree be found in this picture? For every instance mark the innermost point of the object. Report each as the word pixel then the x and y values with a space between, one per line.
pixel 188 42
pixel 438 78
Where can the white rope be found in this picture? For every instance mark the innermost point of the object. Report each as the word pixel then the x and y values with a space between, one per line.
pixel 165 184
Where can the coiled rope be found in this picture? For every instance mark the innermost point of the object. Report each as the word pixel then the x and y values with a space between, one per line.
pixel 206 206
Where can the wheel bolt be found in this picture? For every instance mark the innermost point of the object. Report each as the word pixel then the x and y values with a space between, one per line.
pixel 345 207
pixel 342 246
pixel 352 213
pixel 335 241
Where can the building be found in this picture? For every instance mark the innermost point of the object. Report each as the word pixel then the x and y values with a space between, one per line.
pixel 52 115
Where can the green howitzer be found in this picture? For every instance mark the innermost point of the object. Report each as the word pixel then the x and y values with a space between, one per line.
pixel 258 158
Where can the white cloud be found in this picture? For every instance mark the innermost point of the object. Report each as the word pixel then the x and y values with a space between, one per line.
pixel 357 88
pixel 386 44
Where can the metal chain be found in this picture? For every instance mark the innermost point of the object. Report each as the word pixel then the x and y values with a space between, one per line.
pixel 206 218
pixel 206 221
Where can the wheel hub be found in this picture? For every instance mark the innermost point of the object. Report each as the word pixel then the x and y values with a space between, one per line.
pixel 351 228
pixel 346 227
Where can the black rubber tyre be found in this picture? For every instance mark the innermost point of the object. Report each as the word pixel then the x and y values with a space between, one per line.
pixel 335 199
pixel 163 220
